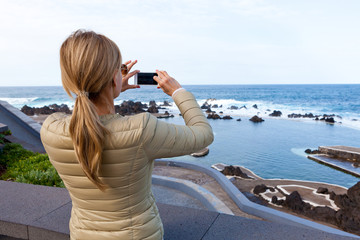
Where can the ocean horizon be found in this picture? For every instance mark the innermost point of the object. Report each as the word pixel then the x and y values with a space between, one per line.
pixel 271 149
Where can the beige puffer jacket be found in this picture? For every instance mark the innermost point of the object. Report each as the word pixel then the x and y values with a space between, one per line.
pixel 127 210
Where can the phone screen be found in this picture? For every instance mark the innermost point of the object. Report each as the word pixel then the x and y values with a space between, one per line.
pixel 145 78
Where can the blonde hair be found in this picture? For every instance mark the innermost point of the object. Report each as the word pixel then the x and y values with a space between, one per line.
pixel 88 63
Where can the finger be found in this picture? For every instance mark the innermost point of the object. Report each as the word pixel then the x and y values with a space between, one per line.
pixel 157 79
pixel 127 62
pixel 160 74
pixel 166 74
pixel 133 86
pixel 129 75
pixel 132 64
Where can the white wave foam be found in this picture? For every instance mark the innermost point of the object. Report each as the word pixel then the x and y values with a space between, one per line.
pixel 349 119
pixel 19 101
pixel 263 110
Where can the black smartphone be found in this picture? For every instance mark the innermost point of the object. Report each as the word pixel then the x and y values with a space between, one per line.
pixel 143 78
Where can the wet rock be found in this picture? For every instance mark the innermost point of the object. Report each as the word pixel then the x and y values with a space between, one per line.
pixel 213 116
pixel 205 105
pixel 325 214
pixel 234 171
pixel 227 117
pixel 208 110
pixel 60 108
pixel 322 190
pixel 309 151
pixel 28 110
pixel 330 120
pixel 260 189
pixel 215 106
pixel 295 202
pixel 234 108
pixel 130 108
pixel 275 113
pixel 274 199
pixel 165 104
pixel 298 115
pixel 256 119
pixel 255 106
pixel 239 119
pixel 221 112
pixel 354 193
pixel 277 201
pixel 243 107
pixel 152 103
pixel 332 195
pixel 153 109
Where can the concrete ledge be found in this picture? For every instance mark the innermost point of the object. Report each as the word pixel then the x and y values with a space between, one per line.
pixel 324 159
pixel 252 208
pixel 24 120
pixel 3 128
pixel 209 200
pixel 342 152
pixel 39 212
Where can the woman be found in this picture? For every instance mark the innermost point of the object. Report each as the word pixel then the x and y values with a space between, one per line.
pixel 106 160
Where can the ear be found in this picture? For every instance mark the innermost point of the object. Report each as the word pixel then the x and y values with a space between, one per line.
pixel 114 80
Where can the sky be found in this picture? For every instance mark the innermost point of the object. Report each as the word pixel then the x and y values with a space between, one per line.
pixel 195 41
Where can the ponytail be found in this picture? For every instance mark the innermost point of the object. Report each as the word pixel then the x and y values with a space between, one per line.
pixel 88 135
pixel 88 62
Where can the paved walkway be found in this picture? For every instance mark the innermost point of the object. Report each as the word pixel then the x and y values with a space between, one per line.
pixel 40 212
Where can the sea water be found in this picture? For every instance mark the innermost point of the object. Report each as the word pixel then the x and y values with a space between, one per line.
pixel 271 149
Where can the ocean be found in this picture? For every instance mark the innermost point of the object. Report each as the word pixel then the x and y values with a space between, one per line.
pixel 273 149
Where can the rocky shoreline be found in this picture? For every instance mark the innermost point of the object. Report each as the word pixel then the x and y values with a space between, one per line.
pixel 130 107
pixel 125 108
pixel 208 107
pixel 326 203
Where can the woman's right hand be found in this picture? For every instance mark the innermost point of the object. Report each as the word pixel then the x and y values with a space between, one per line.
pixel 166 83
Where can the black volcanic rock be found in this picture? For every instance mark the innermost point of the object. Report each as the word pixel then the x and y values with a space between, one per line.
pixel 330 120
pixel 295 202
pixel 213 116
pixel 275 113
pixel 153 109
pixel 309 151
pixel 205 105
pixel 354 193
pixel 62 108
pixel 260 189
pixel 130 108
pixel 227 117
pixel 165 104
pixel 255 106
pixel 30 111
pixel 325 214
pixel 208 110
pixel 322 190
pixel 256 119
pixel 234 171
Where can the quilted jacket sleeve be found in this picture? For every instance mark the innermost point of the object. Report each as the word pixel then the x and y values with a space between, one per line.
pixel 162 139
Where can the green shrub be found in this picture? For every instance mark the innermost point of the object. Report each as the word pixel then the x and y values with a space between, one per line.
pixel 2 138
pixel 27 167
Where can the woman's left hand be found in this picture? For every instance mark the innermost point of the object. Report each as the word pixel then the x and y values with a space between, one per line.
pixel 125 78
